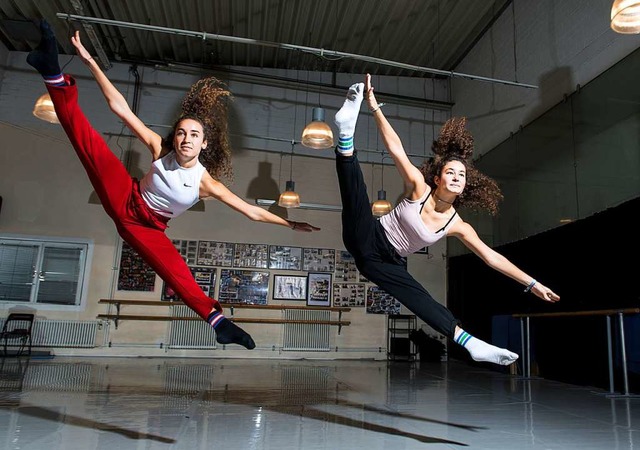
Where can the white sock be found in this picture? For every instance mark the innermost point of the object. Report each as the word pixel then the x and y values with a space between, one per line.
pixel 347 117
pixel 481 351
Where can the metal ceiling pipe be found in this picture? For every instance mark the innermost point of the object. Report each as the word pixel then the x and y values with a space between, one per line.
pixel 317 51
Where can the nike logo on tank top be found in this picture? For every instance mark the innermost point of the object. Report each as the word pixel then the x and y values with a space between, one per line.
pixel 406 230
pixel 170 189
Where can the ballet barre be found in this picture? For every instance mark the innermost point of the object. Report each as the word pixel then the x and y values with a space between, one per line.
pixel 118 316
pixel 608 313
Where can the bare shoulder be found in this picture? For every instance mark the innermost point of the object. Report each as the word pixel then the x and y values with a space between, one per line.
pixel 419 189
pixel 212 188
pixel 460 228
pixel 209 186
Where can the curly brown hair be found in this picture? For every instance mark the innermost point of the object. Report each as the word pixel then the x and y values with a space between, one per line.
pixel 207 103
pixel 455 143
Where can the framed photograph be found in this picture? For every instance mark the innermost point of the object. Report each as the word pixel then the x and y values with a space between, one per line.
pixel 283 257
pixel 243 286
pixel 289 287
pixel 204 276
pixel 135 274
pixel 212 253
pixel 379 302
pixel 251 256
pixel 349 294
pixel 319 289
pixel 318 259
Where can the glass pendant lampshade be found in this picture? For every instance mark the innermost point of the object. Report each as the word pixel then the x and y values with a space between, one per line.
pixel 289 198
pixel 381 206
pixel 625 16
pixel 44 109
pixel 317 134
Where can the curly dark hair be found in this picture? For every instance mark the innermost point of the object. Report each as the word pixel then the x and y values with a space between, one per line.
pixel 207 103
pixel 455 143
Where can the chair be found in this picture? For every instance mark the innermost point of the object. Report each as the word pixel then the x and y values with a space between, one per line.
pixel 18 326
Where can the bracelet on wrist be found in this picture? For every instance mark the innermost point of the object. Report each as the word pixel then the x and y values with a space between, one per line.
pixel 531 285
pixel 377 107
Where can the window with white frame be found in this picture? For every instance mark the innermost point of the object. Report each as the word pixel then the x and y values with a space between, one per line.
pixel 43 271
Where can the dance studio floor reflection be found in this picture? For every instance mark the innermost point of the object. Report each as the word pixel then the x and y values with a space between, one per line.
pixel 136 403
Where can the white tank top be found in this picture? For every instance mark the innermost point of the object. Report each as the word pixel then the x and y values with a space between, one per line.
pixel 405 229
pixel 170 189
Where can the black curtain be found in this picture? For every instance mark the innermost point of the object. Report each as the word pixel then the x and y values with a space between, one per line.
pixel 590 263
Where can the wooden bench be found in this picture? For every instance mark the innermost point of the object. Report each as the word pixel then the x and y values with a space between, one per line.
pixel 120 303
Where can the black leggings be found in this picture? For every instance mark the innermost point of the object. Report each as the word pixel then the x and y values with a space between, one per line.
pixel 375 257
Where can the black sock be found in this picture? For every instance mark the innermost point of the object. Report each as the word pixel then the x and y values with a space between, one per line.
pixel 45 57
pixel 228 332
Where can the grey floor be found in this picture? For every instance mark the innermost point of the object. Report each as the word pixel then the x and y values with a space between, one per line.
pixel 142 403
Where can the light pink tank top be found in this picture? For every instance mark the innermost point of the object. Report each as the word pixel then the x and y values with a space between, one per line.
pixel 405 229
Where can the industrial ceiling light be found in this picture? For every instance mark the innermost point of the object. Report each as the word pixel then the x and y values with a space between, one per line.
pixel 381 206
pixel 44 109
pixel 625 16
pixel 317 134
pixel 290 198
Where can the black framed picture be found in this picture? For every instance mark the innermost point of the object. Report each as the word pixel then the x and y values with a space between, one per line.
pixel 319 289
pixel 289 287
pixel 243 286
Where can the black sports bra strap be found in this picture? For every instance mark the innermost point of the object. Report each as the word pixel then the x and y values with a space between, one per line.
pixel 423 202
pixel 448 222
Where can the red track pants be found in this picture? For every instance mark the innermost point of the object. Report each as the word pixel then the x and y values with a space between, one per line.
pixel 138 225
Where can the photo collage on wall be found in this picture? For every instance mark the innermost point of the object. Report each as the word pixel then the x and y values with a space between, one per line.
pixel 379 302
pixel 332 278
pixel 251 256
pixel 349 294
pixel 204 276
pixel 285 258
pixel 134 273
pixel 346 269
pixel 211 253
pixel 319 260
pixel 243 286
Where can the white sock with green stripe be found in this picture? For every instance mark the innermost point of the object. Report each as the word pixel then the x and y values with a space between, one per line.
pixel 347 117
pixel 481 351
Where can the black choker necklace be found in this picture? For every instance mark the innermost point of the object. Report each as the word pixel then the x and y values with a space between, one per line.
pixel 440 200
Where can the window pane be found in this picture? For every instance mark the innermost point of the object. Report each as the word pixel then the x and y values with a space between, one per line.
pixel 60 275
pixel 17 265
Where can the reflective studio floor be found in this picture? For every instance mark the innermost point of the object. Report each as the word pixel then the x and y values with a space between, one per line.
pixel 142 403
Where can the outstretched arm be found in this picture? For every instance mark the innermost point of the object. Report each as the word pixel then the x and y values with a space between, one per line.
pixel 116 101
pixel 213 188
pixel 413 179
pixel 495 260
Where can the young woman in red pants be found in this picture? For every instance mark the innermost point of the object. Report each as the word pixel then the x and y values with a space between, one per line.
pixel 176 181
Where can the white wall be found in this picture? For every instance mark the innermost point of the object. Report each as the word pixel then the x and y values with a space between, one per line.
pixel 46 191
pixel 559 44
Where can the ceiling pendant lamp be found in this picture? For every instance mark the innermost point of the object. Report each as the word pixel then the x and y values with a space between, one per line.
pixel 625 16
pixel 317 134
pixel 44 109
pixel 381 206
pixel 290 198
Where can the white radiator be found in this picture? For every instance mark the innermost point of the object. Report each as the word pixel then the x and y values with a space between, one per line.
pixel 190 334
pixel 64 333
pixel 306 337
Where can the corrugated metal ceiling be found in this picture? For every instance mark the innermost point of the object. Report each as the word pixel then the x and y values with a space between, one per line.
pixel 428 33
